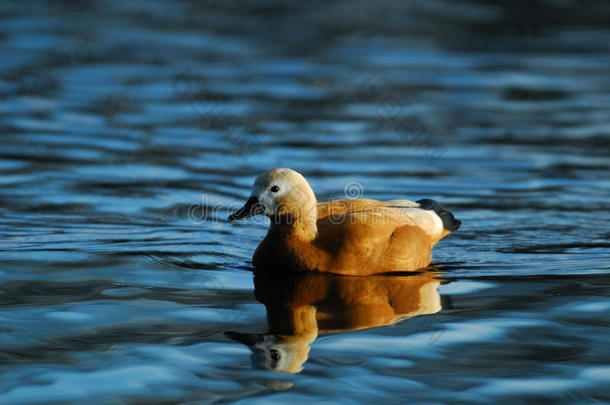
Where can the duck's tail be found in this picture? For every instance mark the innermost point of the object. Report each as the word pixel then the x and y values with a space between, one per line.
pixel 450 223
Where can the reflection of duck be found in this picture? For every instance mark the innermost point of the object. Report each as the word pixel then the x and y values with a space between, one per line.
pixel 354 236
pixel 300 306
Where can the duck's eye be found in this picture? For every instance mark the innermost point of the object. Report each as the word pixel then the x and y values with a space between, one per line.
pixel 275 189
pixel 275 358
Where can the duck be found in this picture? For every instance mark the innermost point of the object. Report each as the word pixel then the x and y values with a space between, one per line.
pixel 354 236
pixel 302 306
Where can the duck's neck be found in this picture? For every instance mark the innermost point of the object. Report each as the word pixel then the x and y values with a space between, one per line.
pixel 301 226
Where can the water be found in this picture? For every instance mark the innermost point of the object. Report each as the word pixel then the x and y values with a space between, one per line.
pixel 128 132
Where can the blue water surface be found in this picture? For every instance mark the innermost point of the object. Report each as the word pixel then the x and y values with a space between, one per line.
pixel 130 130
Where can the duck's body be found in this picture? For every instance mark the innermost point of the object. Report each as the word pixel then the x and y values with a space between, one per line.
pixel 355 236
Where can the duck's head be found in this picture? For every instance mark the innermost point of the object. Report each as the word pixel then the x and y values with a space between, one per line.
pixel 279 193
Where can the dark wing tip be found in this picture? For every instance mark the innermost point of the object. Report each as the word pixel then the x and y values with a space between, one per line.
pixel 449 221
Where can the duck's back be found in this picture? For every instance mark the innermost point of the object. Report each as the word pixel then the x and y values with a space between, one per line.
pixel 362 236
pixel 397 212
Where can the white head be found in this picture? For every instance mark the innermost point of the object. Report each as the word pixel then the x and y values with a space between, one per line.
pixel 279 193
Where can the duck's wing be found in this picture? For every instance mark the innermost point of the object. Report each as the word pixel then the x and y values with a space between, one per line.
pixel 429 215
pixel 450 223
pixel 338 208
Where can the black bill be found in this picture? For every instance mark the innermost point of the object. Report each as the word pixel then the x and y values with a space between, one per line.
pixel 250 208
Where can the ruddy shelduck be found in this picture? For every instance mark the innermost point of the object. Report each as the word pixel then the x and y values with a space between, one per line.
pixel 352 236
